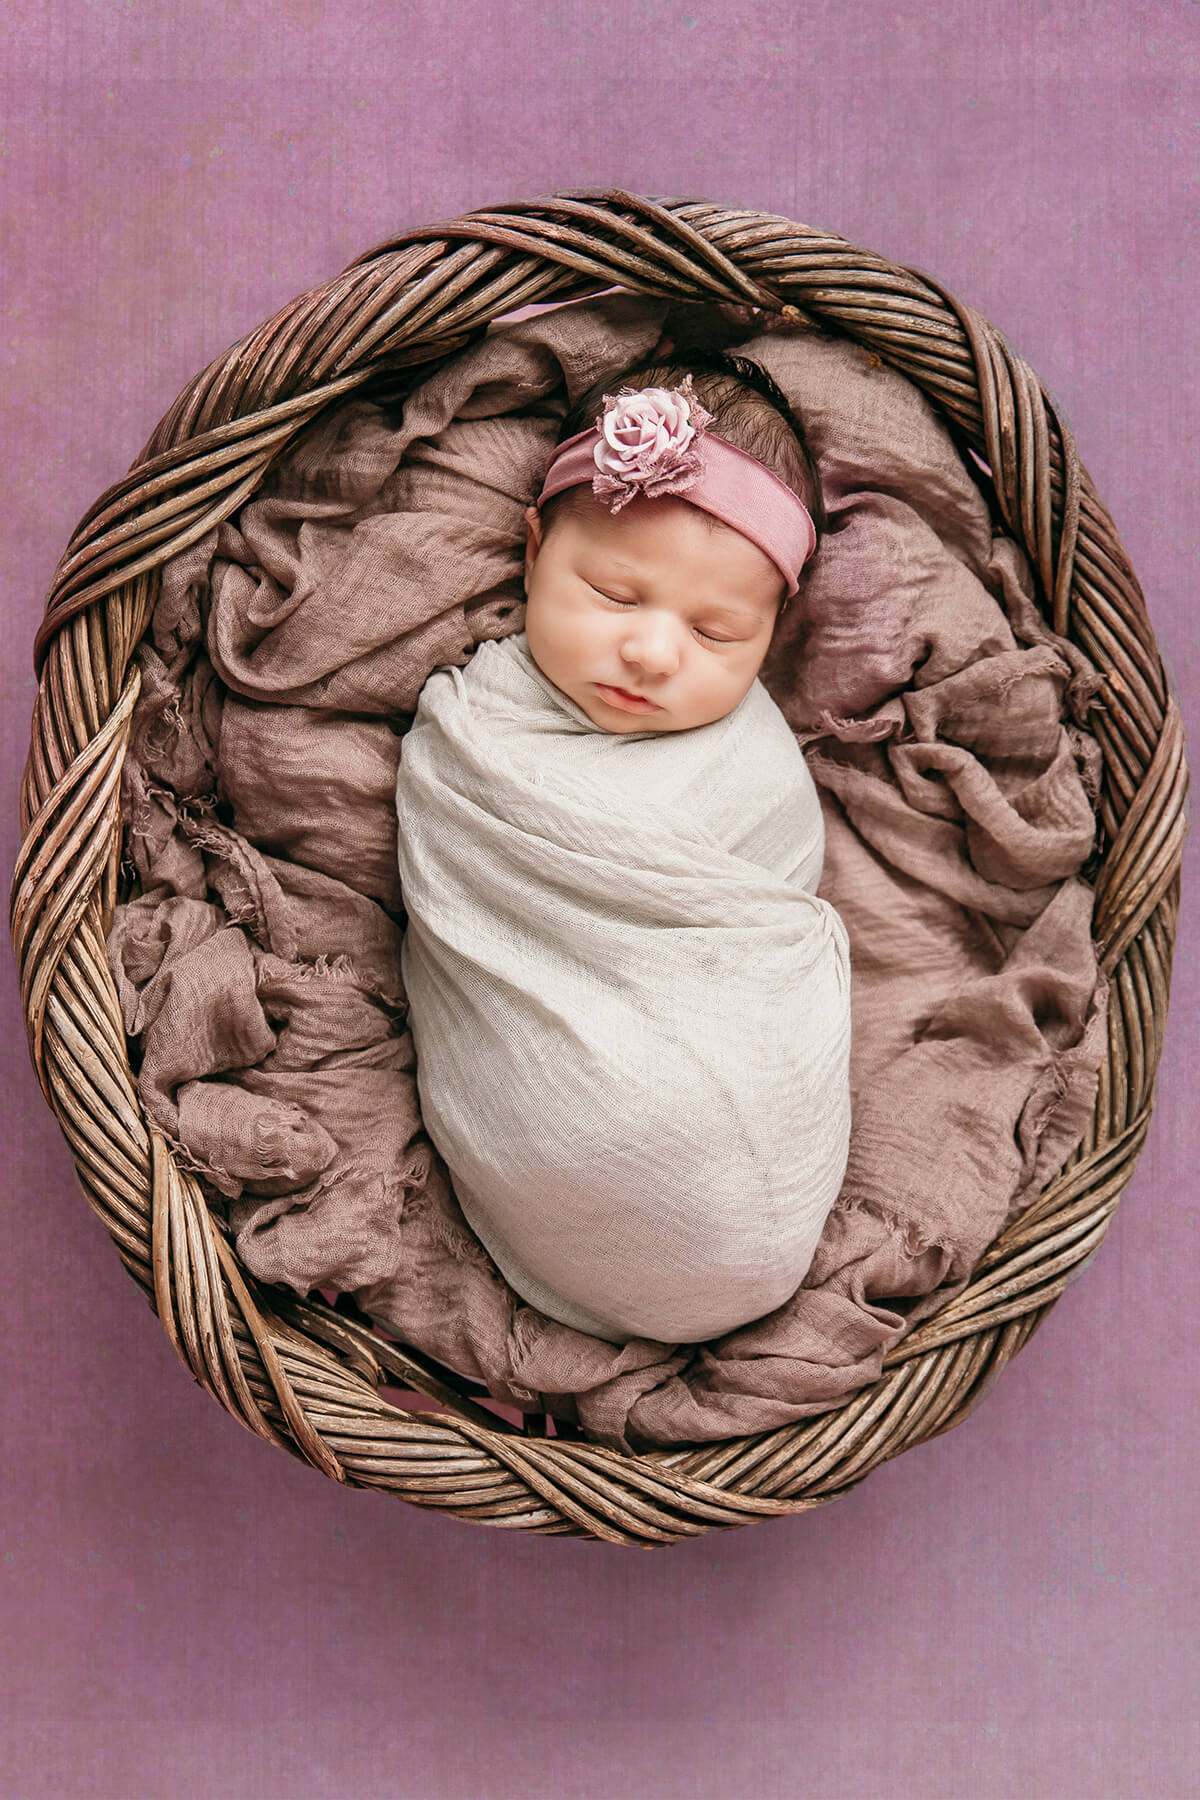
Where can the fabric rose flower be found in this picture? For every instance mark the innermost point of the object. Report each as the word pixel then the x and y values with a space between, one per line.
pixel 646 445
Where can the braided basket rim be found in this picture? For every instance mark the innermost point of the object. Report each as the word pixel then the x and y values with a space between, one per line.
pixel 306 1376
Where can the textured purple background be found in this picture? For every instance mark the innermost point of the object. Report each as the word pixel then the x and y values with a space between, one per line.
pixel 1009 1611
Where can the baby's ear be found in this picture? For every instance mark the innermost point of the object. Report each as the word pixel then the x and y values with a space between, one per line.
pixel 533 536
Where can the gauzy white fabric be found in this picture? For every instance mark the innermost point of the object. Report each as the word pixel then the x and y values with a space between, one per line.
pixel 630 1009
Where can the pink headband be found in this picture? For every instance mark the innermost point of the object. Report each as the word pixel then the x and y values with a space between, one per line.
pixel 656 441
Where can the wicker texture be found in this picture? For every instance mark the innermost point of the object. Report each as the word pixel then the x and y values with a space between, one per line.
pixel 305 1376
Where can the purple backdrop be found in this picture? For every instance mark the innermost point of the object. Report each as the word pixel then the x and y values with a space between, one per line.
pixel 1009 1611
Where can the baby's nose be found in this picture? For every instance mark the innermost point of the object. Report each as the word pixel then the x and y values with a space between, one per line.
pixel 653 643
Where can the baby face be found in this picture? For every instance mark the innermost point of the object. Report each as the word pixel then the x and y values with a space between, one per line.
pixel 660 600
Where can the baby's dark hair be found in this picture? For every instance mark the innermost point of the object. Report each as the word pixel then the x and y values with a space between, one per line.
pixel 749 408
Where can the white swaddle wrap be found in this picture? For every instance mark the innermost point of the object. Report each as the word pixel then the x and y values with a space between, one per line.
pixel 630 1011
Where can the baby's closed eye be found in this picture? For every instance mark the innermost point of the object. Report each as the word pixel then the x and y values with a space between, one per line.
pixel 612 600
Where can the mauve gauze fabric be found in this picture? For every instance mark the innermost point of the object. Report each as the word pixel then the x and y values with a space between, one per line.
pixel 258 962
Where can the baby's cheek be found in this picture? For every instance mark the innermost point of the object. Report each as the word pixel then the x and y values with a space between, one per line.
pixel 550 617
pixel 548 634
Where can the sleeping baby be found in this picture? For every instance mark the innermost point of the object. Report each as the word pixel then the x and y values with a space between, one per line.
pixel 630 1008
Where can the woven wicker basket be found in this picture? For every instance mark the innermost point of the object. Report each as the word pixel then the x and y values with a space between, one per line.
pixel 304 1375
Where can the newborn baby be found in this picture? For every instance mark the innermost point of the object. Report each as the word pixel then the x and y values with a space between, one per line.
pixel 630 1010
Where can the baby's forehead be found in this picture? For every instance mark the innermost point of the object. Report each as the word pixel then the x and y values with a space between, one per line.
pixel 660 539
